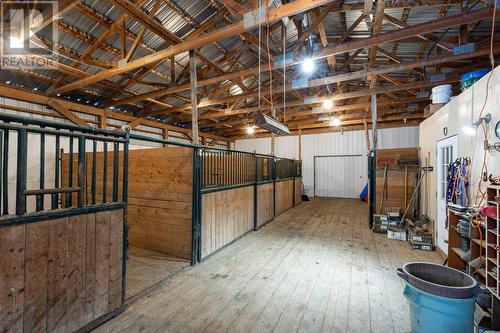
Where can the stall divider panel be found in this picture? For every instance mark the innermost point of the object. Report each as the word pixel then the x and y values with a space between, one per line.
pixel 241 192
pixel 63 258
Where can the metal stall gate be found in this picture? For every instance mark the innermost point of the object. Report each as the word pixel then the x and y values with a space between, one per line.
pixel 63 233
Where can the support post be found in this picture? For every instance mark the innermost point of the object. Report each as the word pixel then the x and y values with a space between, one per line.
pixel 273 142
pixel 372 164
pixel 165 136
pixel 172 71
pixel 367 135
pixel 194 97
pixel 255 193
pixel 300 144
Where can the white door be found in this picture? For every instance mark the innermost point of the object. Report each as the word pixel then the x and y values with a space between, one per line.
pixel 446 154
pixel 340 176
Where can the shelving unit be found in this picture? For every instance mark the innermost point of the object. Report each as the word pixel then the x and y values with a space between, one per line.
pixel 457 257
pixel 493 242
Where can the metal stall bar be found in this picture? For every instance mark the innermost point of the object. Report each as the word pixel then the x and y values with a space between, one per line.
pixel 54 200
pixel 22 161
pixel 39 198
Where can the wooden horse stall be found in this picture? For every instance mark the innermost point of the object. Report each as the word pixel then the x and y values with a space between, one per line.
pixel 242 192
pixel 265 190
pixel 228 191
pixel 284 195
pixel 285 191
pixel 159 209
pixel 297 191
pixel 62 262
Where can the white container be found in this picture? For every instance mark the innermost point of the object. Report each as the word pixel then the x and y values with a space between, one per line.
pixel 441 94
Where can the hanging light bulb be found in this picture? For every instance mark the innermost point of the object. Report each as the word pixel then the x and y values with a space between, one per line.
pixel 308 65
pixel 469 130
pixel 327 104
pixel 335 122
pixel 250 130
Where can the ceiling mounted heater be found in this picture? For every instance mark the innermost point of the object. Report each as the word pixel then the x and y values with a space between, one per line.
pixel 271 124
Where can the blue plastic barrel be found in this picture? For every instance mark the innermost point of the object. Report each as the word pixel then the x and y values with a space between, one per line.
pixel 441 299
pixel 435 314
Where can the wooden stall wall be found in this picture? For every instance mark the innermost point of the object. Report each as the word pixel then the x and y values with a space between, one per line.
pixel 401 175
pixel 284 195
pixel 226 215
pixel 160 200
pixel 160 187
pixel 265 203
pixel 60 275
pixel 298 191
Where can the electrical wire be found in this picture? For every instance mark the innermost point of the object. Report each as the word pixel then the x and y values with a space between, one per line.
pixel 269 64
pixel 260 37
pixel 481 196
pixel 284 72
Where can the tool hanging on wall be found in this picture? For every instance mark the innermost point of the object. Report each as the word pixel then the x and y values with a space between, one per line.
pixel 384 189
pixel 457 183
pixel 423 172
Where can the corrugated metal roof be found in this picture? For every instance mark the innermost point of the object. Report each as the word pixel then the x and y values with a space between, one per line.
pixel 193 14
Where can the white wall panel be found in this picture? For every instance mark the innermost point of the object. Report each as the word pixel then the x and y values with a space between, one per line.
pixel 461 111
pixel 333 143
pixel 340 176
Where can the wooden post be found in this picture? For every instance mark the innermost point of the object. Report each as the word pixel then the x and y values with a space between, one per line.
pixel 103 121
pixel 406 186
pixel 372 193
pixel 165 136
pixel 367 135
pixel 272 143
pixel 194 97
pixel 123 42
pixel 374 121
pixel 172 71
pixel 300 144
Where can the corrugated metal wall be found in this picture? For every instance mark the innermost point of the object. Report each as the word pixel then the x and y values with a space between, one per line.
pixel 335 143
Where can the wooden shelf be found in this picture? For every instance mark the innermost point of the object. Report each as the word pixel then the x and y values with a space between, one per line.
pixel 492 235
pixel 459 252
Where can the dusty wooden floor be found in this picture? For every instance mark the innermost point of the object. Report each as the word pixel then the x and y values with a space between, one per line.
pixel 146 268
pixel 317 267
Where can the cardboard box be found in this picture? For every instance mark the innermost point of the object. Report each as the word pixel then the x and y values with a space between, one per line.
pixel 394 233
pixel 431 108
pixel 421 246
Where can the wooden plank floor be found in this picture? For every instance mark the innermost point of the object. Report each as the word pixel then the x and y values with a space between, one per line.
pixel 316 268
pixel 146 268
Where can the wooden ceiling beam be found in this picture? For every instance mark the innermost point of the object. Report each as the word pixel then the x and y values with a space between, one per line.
pixel 426 37
pixel 331 50
pixel 228 31
pixel 326 80
pixel 31 97
pixel 146 20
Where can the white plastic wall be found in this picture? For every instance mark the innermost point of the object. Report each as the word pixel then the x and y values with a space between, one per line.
pixel 462 110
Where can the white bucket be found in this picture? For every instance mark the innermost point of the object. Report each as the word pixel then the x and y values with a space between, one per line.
pixel 441 94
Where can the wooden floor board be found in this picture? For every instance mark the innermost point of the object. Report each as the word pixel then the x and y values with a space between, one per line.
pixel 146 268
pixel 316 267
